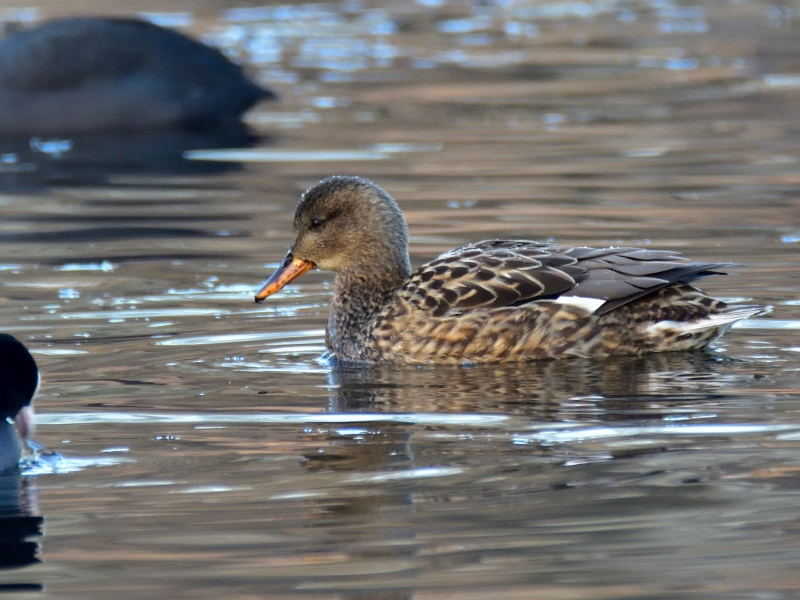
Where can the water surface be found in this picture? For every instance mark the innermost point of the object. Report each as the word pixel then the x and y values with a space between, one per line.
pixel 204 450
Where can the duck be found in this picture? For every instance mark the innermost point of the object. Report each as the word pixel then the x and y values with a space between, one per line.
pixel 98 74
pixel 492 301
pixel 19 381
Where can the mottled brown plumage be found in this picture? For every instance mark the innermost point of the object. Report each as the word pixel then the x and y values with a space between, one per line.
pixel 497 300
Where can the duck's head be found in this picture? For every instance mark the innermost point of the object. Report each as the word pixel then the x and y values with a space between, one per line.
pixel 19 380
pixel 345 224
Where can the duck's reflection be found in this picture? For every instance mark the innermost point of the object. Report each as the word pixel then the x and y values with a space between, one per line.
pixel 19 523
pixel 541 390
pixel 379 469
pixel 612 390
pixel 367 452
pixel 607 391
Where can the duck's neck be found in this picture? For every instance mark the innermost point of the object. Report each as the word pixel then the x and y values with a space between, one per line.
pixel 359 295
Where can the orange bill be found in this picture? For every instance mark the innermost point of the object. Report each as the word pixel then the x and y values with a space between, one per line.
pixel 291 269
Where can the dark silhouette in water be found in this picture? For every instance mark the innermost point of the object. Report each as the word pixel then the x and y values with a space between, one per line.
pixel 19 379
pixel 90 74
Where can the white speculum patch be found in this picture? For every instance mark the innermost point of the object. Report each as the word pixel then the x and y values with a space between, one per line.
pixel 588 304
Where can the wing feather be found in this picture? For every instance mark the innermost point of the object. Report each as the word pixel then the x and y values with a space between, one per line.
pixel 491 274
pixel 503 273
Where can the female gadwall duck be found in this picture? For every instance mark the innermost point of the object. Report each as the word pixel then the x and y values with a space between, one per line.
pixel 89 74
pixel 19 380
pixel 497 300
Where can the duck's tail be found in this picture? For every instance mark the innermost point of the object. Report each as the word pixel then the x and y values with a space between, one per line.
pixel 723 320
pixel 718 322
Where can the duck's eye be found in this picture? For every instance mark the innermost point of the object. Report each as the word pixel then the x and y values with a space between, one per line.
pixel 317 223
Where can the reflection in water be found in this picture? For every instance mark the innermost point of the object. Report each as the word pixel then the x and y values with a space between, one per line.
pixel 95 159
pixel 361 447
pixel 19 522
pixel 536 390
pixel 420 501
pixel 557 395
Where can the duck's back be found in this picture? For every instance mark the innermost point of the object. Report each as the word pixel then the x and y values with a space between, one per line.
pixel 511 273
pixel 87 73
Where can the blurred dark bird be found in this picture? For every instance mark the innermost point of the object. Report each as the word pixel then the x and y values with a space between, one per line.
pixel 91 74
pixel 19 380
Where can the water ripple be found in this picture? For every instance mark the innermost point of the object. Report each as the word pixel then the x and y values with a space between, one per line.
pixel 232 338
pixel 137 313
pixel 423 472
pixel 260 155
pixel 47 464
pixel 594 433
pixel 767 324
pixel 63 419
pixel 552 433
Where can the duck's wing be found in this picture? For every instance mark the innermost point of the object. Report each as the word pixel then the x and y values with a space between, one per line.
pixel 620 275
pixel 491 274
pixel 502 273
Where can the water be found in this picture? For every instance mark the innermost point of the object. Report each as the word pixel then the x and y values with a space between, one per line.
pixel 202 448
